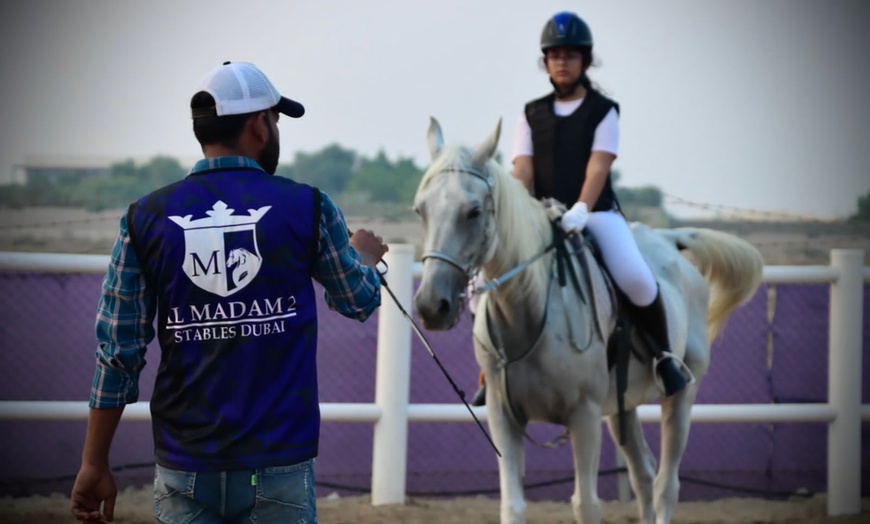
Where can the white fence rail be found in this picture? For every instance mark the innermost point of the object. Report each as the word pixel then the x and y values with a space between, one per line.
pixel 391 412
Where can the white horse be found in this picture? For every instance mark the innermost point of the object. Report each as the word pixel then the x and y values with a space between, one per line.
pixel 542 347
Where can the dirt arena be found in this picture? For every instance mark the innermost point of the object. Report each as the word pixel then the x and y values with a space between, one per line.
pixel 134 507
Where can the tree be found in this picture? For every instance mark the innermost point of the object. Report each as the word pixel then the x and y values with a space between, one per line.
pixel 160 171
pixel 863 214
pixel 329 169
pixel 125 168
pixel 384 181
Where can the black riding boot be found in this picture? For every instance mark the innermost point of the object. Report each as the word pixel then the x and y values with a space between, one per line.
pixel 479 398
pixel 652 319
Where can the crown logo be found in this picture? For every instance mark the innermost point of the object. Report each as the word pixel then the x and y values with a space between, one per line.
pixel 221 216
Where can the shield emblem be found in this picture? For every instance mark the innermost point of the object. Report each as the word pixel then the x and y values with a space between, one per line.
pixel 221 252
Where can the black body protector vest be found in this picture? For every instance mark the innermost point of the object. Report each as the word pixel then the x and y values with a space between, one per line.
pixel 562 147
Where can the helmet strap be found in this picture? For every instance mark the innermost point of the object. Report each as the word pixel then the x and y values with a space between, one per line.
pixel 560 94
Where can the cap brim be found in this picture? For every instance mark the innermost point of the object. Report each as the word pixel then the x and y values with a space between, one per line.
pixel 290 108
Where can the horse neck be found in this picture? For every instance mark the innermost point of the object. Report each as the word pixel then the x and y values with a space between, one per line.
pixel 523 232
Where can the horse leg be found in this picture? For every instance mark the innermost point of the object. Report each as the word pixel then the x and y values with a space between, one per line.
pixel 508 438
pixel 676 419
pixel 641 462
pixel 585 427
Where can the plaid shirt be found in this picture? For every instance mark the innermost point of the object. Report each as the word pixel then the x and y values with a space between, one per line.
pixel 125 314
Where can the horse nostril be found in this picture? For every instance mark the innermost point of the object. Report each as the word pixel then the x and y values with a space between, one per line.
pixel 444 307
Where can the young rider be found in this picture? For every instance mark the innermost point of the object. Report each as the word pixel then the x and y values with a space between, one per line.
pixel 564 147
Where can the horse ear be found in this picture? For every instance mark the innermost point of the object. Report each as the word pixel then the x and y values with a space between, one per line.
pixel 434 138
pixel 486 150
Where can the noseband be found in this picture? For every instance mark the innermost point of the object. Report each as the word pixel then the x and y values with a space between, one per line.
pixel 467 268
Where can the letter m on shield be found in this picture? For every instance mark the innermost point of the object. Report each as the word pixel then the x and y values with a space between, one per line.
pixel 221 252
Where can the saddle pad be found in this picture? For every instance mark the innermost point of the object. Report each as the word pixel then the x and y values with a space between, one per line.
pixel 603 292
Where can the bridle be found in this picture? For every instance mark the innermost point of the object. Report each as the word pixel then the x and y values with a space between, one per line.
pixel 469 268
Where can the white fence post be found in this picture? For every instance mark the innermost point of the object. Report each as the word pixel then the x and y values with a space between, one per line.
pixel 392 389
pixel 844 383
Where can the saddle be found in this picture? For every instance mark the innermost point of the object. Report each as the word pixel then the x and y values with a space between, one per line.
pixel 606 298
pixel 621 306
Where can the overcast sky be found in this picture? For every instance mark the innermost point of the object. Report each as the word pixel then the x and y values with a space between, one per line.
pixel 750 104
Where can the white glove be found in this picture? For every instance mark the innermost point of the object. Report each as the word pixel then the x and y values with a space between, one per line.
pixel 574 220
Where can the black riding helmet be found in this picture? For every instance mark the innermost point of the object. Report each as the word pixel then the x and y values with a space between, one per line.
pixel 565 29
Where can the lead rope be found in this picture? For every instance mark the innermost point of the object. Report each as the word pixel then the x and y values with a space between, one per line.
pixel 459 392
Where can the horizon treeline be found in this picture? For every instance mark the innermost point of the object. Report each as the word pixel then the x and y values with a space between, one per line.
pixel 363 186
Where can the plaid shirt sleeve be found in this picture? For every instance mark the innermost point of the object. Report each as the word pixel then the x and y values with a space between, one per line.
pixel 350 287
pixel 124 327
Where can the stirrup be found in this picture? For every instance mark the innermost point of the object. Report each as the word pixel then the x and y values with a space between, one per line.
pixel 682 368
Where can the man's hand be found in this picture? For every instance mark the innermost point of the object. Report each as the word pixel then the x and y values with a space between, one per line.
pixel 574 220
pixel 94 486
pixel 370 246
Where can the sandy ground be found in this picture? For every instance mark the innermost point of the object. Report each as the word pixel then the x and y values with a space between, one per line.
pixel 134 507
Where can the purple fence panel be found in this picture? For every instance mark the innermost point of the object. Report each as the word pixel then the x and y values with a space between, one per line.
pixel 738 374
pixel 800 374
pixel 47 328
pixel 799 457
pixel 800 343
pixel 346 355
pixel 738 358
pixel 346 364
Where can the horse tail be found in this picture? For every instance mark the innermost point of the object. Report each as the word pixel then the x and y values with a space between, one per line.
pixel 731 266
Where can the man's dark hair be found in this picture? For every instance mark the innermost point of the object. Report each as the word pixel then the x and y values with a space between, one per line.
pixel 224 130
pixel 586 54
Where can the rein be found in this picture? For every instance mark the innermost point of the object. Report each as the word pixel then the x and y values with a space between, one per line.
pixel 557 244
pixel 507 275
pixel 459 392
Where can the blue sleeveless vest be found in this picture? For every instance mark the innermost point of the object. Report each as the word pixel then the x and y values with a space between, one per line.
pixel 229 255
pixel 563 146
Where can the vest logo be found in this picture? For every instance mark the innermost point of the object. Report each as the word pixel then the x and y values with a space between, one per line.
pixel 222 256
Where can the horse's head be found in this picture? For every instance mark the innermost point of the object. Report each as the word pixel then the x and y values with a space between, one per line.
pixel 456 204
pixel 236 256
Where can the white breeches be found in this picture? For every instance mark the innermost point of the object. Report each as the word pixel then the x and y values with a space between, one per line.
pixel 622 257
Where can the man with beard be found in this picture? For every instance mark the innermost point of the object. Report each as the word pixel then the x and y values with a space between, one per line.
pixel 224 260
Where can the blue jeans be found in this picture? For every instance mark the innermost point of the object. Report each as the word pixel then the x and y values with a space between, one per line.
pixel 282 494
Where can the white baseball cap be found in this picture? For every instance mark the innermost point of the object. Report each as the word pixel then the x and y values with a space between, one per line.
pixel 239 88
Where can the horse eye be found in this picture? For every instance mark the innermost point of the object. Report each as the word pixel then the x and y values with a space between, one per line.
pixel 474 213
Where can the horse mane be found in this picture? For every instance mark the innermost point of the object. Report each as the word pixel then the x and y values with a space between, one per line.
pixel 522 224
